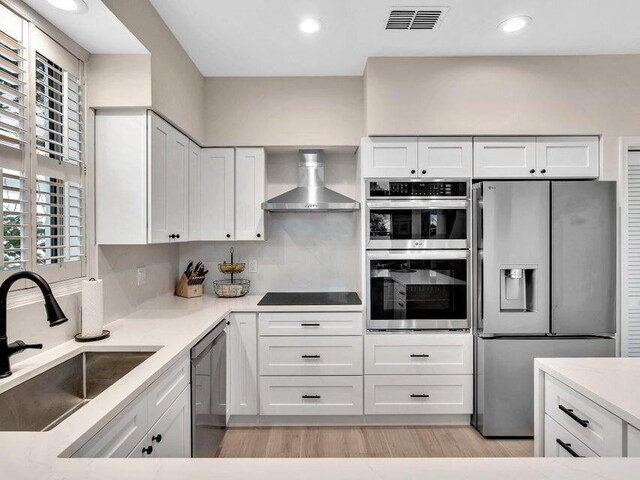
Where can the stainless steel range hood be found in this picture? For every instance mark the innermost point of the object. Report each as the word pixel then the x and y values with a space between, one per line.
pixel 311 195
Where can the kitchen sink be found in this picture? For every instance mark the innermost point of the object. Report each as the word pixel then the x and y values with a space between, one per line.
pixel 42 402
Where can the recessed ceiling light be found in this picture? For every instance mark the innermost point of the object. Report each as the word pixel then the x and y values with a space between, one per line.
pixel 514 24
pixel 71 6
pixel 309 25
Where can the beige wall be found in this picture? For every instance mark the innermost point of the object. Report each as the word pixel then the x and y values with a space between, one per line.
pixel 506 95
pixel 119 81
pixel 177 87
pixel 283 111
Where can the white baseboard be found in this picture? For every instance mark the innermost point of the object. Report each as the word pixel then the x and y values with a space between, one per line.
pixel 347 420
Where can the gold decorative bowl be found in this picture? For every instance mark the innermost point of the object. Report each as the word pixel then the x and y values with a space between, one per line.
pixel 231 267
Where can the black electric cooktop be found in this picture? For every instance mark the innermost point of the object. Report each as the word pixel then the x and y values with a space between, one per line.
pixel 310 298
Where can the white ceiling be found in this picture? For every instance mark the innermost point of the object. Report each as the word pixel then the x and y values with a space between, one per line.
pixel 97 30
pixel 260 37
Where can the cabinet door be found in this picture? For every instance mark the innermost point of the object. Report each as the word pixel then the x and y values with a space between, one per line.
pixel 119 437
pixel 170 437
pixel 158 187
pixel 243 364
pixel 567 157
pixel 504 157
pixel 195 203
pixel 389 157
pixel 445 156
pixel 633 442
pixel 215 180
pixel 178 187
pixel 250 193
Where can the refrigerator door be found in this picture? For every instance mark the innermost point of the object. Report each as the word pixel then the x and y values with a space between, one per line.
pixel 515 258
pixel 583 257
pixel 504 378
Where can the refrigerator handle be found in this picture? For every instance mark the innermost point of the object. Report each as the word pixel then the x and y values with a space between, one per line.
pixel 477 254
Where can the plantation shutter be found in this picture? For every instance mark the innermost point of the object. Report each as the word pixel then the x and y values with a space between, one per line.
pixel 13 143
pixel 59 169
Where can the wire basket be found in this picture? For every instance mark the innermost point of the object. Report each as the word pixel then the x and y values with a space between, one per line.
pixel 231 288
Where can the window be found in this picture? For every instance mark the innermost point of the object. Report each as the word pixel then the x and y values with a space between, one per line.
pixel 41 153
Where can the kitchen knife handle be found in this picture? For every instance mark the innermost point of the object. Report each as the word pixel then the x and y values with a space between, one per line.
pixel 569 411
pixel 567 447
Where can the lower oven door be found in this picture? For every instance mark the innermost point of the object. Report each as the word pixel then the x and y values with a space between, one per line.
pixel 418 290
pixel 417 224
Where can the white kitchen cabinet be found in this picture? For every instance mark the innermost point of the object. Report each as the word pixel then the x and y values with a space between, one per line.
pixel 310 323
pixel 195 192
pixel 142 179
pixel 559 442
pixel 504 157
pixel 163 408
pixel 383 157
pixel 168 182
pixel 119 437
pixel 212 194
pixel 243 363
pixel 250 193
pixel 444 157
pixel 567 157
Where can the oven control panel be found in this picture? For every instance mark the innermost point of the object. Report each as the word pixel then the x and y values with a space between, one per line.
pixel 404 189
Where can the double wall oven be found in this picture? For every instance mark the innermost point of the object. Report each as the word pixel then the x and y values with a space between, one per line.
pixel 418 254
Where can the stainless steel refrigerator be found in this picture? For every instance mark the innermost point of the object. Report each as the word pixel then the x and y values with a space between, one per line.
pixel 545 283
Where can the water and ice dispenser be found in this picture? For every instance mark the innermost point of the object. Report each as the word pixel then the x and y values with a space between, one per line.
pixel 517 288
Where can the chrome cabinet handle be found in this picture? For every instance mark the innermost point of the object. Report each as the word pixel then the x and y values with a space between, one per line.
pixel 569 411
pixel 567 447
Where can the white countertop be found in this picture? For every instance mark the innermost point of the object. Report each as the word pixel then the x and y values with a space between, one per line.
pixel 613 383
pixel 172 325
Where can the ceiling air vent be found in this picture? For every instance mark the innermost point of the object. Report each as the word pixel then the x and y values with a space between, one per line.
pixel 415 18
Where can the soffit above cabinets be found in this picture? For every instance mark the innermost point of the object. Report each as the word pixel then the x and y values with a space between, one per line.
pixel 261 38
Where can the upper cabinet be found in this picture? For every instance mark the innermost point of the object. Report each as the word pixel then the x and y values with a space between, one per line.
pixel 226 192
pixel 412 157
pixel 389 157
pixel 445 156
pixel 142 179
pixel 536 157
pixel 250 193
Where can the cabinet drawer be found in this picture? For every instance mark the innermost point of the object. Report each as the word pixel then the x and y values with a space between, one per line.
pixel 421 394
pixel 311 395
pixel 633 442
pixel 419 354
pixel 558 442
pixel 310 323
pixel 162 393
pixel 594 426
pixel 311 356
pixel 118 437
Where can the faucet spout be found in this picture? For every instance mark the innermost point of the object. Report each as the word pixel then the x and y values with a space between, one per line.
pixel 55 316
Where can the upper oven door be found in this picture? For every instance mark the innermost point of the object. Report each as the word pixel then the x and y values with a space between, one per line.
pixel 417 224
pixel 418 290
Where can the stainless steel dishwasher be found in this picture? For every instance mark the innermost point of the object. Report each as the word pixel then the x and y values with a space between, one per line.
pixel 209 392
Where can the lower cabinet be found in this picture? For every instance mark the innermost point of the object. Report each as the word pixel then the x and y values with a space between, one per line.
pixel 633 442
pixel 243 364
pixel 418 394
pixel 158 421
pixel 170 437
pixel 561 443
pixel 311 395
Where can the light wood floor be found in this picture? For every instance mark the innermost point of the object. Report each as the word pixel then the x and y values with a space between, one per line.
pixel 368 442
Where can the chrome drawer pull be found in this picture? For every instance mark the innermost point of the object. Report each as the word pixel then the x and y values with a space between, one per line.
pixel 419 355
pixel 310 396
pixel 567 447
pixel 310 356
pixel 569 411
pixel 419 395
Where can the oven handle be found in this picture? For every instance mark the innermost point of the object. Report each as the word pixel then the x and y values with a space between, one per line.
pixel 418 255
pixel 416 204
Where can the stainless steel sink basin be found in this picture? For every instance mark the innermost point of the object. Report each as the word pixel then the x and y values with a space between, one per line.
pixel 42 402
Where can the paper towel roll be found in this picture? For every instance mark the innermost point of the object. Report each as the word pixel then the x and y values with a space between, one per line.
pixel 92 308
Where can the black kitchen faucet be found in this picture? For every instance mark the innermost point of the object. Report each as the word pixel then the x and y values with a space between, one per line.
pixel 55 316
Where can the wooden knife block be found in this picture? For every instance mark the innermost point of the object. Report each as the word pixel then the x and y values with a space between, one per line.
pixel 183 289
